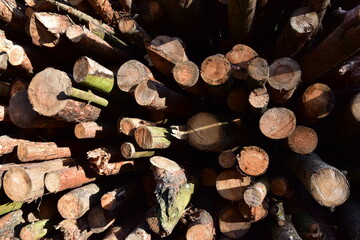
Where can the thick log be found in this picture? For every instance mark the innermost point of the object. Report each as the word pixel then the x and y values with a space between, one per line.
pixel 277 123
pixel 150 137
pixel 104 9
pixel 35 230
pixel 232 224
pixel 201 226
pixel 9 222
pixel 18 57
pixel 12 14
pixel 227 159
pixel 303 140
pixel 340 44
pixel 134 32
pixel 51 98
pixel 302 25
pixel 208 177
pixel 258 72
pixel 253 214
pixel 239 56
pixel 77 202
pixel 325 183
pixel 128 125
pixel 253 161
pixel 255 194
pixel 231 185
pixel 285 76
pixel 95 130
pixel 259 100
pixel 237 100
pixel 25 183
pixel 68 178
pixel 241 15
pixel 130 151
pixel 33 151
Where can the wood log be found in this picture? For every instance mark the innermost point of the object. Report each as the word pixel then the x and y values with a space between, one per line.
pixel 303 140
pixel 51 99
pixel 77 202
pixel 208 177
pixel 7 144
pixel 4 114
pixel 201 226
pixel 12 14
pixel 325 183
pixel 113 199
pixel 104 9
pixel 214 133
pixel 68 178
pixel 239 56
pixel 285 76
pixel 18 57
pixel 74 229
pixel 135 34
pixel 10 207
pixel 129 151
pixel 287 231
pixel 277 123
pixel 253 214
pixel 340 44
pixel 349 215
pixel 279 186
pixel 128 125
pixel 253 161
pixel 9 222
pixel 316 102
pixel 258 100
pixel 241 15
pixel 231 185
pixel 35 230
pixel 232 224
pixel 258 72
pixel 150 137
pixel 319 6
pixel 237 100
pixel 33 151
pixel 95 130
pixel 227 159
pixel 303 23
pixel 164 52
pixel 255 194
pixel 25 183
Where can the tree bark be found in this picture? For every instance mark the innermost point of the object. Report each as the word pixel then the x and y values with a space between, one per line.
pixel 95 130
pixel 104 9
pixel 303 140
pixel 277 123
pixel 231 184
pixel 7 144
pixel 253 161
pixel 232 224
pixel 349 215
pixel 129 151
pixel 239 56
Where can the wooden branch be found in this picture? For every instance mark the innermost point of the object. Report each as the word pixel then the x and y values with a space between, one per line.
pixel 129 151
pixel 253 161
pixel 277 123
pixel 35 230
pixel 303 140
pixel 9 222
pixel 232 224
pixel 135 34
pixel 231 184
pixel 255 194
pixel 128 126
pixel 95 130
pixel 253 214
pixel 237 100
pixel 325 183
pixel 258 73
pixel 104 9
pixel 227 159
pixel 259 100
pixel 201 226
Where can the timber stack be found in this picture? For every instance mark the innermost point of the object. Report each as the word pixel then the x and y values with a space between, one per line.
pixel 169 119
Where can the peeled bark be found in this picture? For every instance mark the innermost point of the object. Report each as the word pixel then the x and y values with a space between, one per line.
pixel 277 123
pixel 232 224
pixel 231 185
pixel 253 161
pixel 239 57
pixel 349 215
pixel 303 140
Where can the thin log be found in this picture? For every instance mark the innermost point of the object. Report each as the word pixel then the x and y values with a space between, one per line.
pixel 18 57
pixel 277 123
pixel 325 183
pixel 239 56
pixel 258 72
pixel 35 230
pixel 9 222
pixel 104 9
pixel 128 126
pixel 237 100
pixel 208 177
pixel 33 151
pixel 255 194
pixel 129 151
pixel 95 130
pixel 134 32
pixel 77 202
pixel 227 159
pixel 341 44
pixel 253 214
pixel 4 114
pixel 232 224
pixel 303 140
pixel 7 144
pixel 259 100
pixel 201 226
pixel 253 161
pixel 150 137
pixel 285 76
pixel 10 207
pixel 231 184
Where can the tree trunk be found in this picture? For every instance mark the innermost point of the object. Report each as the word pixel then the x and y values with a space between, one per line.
pixel 303 140
pixel 253 161
pixel 232 224
pixel 95 130
pixel 277 123
pixel 231 185
pixel 33 151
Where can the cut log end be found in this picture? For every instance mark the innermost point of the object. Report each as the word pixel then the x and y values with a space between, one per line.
pixel 215 70
pixel 16 55
pixel 240 55
pixel 227 159
pixel 75 33
pixel 304 20
pixel 151 137
pixel 131 73
pixel 52 181
pixel 303 140
pixel 279 186
pixel 277 123
pixel 145 93
pixel 232 224
pixel 253 161
pixel 259 99
pixel 186 73
pixel 127 150
pixel 164 163
pixel 17 184
pixel 231 185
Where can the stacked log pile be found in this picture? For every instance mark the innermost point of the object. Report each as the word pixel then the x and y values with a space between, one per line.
pixel 197 120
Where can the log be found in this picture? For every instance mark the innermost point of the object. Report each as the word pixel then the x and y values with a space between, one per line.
pixel 77 202
pixel 319 6
pixel 35 230
pixel 104 9
pixel 287 231
pixel 349 216
pixel 25 183
pixel 39 6
pixel 51 99
pixel 285 76
pixel 208 177
pixel 253 161
pixel 239 56
pixel 214 133
pixel 231 185
pixel 201 226
pixel 258 73
pixel 325 183
pixel 237 100
pixel 255 194
pixel 129 151
pixel 34 151
pixel 4 114
pixel 74 229
pixel 12 14
pixel 10 207
pixel 18 57
pixel 150 137
pixel 277 123
pixel 17 85
pixel 7 144
pixel 241 15
pixel 316 102
pixel 95 130
pixel 135 34
pixel 303 23
pixel 9 222
pixel 349 123
pixel 128 125
pixel 340 44
pixel 227 159
pixel 253 214
pixel 68 178
pixel 258 101
pixel 113 199
pixel 232 224
pixel 303 140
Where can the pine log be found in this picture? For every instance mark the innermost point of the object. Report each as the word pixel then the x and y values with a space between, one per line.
pixel 10 207
pixel 253 214
pixel 341 44
pixel 5 88
pixel 113 199
pixel 232 224
pixel 35 230
pixel 303 140
pixel 68 178
pixel 104 9
pixel 319 6
pixel 18 57
pixel 316 102
pixel 77 202
pixel 237 100
pixel 241 15
pixel 164 52
pixel 150 137
pixel 349 215
pixel 231 185
pixel 255 194
pixel 12 14
pixel 7 144
pixel 95 130
pixel 285 76
pixel 134 32
pixel 325 183
pixel 25 183
pixel 259 100
pixel 129 151
pixel 279 186
pixel 33 151
pixel 302 25
pixel 253 161
pixel 4 114
pixel 9 222
pixel 239 56
pixel 258 72
pixel 17 85
pixel 214 133
pixel 277 123
pixel 201 226
pixel 128 125
pixel 51 99
pixel 208 177
pixel 227 159
pixel 287 231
